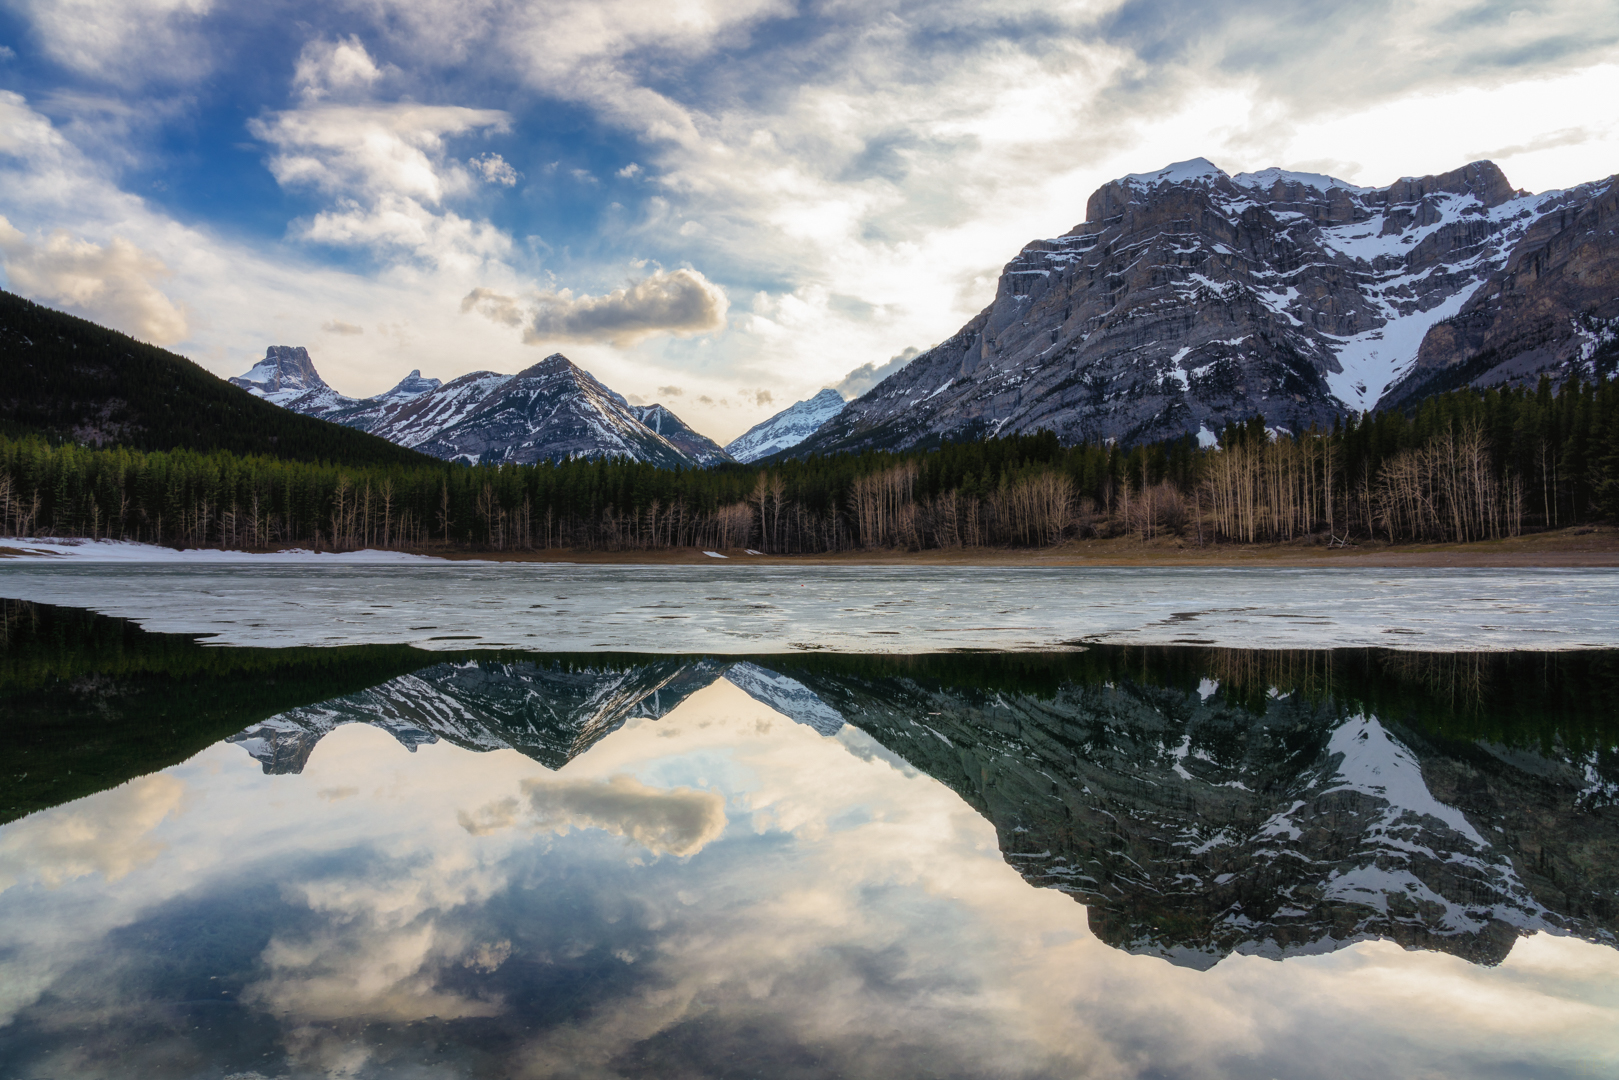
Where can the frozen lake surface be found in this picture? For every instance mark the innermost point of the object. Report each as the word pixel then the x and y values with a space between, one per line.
pixel 732 608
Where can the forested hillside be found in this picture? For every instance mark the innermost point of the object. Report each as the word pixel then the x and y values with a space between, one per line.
pixel 1465 466
pixel 66 378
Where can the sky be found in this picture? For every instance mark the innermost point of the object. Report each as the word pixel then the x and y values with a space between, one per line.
pixel 723 207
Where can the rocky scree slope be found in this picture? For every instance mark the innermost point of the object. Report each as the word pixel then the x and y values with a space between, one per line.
pixel 1189 298
pixel 551 411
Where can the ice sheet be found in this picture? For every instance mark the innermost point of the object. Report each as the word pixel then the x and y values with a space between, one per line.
pixel 734 608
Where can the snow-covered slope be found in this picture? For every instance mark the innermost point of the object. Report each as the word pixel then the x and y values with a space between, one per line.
pixel 1189 298
pixel 549 412
pixel 787 696
pixel 787 428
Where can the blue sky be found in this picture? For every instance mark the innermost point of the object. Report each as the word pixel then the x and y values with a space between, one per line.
pixel 722 206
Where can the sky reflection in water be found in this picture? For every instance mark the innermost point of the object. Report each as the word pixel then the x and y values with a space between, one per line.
pixel 722 891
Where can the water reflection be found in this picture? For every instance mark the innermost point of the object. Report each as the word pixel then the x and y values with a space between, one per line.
pixel 494 865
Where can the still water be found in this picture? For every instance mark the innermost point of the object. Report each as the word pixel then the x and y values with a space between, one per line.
pixel 1120 861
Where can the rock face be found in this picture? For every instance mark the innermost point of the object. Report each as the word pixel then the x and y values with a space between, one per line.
pixel 1553 309
pixel 1189 298
pixel 787 428
pixel 285 375
pixel 549 412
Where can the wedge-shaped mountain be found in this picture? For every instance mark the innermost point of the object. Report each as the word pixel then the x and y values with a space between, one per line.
pixel 787 428
pixel 549 412
pixel 1189 298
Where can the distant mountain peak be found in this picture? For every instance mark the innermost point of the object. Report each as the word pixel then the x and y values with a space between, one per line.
pixel 787 428
pixel 412 386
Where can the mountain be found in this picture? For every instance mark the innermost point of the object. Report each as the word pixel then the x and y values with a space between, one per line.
pixel 551 411
pixel 548 711
pixel 1194 823
pixel 1552 309
pixel 67 378
pixel 1189 298
pixel 787 428
pixel 699 448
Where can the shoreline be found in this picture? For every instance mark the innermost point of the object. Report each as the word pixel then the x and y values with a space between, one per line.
pixel 1578 547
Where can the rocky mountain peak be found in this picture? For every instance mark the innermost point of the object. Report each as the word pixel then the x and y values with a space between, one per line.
pixel 285 372
pixel 1189 298
pixel 411 386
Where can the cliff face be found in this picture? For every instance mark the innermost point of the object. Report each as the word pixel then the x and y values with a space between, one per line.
pixel 1189 298
pixel 1552 310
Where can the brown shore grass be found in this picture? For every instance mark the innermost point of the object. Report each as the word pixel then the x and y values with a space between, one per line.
pixel 1596 546
pixel 1582 546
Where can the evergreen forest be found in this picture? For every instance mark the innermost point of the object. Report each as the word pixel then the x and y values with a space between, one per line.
pixel 1462 466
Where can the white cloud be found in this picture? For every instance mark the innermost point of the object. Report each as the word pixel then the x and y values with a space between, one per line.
pixel 111 284
pixel 866 376
pixel 327 67
pixel 494 169
pixel 129 42
pixel 680 302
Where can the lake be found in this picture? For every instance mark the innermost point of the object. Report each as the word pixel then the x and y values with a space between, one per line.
pixel 1115 843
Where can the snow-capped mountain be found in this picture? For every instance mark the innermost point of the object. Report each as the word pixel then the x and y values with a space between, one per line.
pixel 285 375
pixel 700 448
pixel 1192 827
pixel 549 712
pixel 1190 297
pixel 549 412
pixel 787 428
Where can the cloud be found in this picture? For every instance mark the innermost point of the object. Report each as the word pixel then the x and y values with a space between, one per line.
pixel 133 43
pixel 671 391
pixel 108 835
pixel 327 67
pixel 1552 139
pixel 112 284
pixel 494 170
pixel 673 821
pixel 763 397
pixel 337 326
pixel 681 302
pixel 867 375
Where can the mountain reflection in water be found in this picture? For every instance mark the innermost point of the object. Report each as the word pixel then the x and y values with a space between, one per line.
pixel 1197 802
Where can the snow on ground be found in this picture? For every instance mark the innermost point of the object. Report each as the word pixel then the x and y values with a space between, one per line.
pixel 733 608
pixel 56 550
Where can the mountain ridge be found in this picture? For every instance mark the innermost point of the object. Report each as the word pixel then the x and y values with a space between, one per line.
pixel 551 410
pixel 1189 298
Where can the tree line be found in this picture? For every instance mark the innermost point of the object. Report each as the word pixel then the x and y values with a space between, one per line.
pixel 1463 466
